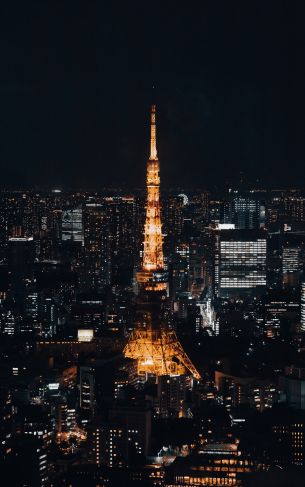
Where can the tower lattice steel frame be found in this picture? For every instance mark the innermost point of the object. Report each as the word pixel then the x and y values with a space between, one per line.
pixel 153 343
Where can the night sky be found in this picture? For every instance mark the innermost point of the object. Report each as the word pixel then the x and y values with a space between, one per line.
pixel 75 91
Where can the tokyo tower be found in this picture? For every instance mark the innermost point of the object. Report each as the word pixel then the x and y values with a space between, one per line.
pixel 153 343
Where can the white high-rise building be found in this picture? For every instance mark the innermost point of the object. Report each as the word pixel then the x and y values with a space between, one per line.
pixel 72 225
pixel 240 263
pixel 303 306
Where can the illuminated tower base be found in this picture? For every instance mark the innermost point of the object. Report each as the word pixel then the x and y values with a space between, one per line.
pixel 153 343
pixel 159 353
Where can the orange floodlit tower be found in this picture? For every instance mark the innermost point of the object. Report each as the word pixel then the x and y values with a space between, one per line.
pixel 153 263
pixel 153 343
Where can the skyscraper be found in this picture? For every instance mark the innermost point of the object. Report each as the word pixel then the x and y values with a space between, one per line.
pixel 294 208
pixel 96 244
pixel 303 306
pixel 292 264
pixel 122 234
pixel 240 262
pixel 153 343
pixel 21 259
pixel 245 211
pixel 72 225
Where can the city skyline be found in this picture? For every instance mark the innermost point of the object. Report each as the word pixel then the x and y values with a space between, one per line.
pixel 152 244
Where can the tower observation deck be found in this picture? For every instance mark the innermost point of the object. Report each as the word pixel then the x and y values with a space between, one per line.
pixel 153 343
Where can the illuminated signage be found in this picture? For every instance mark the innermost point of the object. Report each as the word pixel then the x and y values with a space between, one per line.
pixel 226 226
pixel 85 335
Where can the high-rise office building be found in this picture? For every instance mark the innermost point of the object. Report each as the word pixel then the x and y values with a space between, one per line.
pixel 179 269
pixel 135 419
pixel 245 211
pixel 303 306
pixel 96 247
pixel 285 208
pixel 10 322
pixel 122 217
pixel 21 259
pixel 200 206
pixel 172 215
pixel 294 208
pixel 288 432
pixel 292 264
pixel 87 392
pixel 172 393
pixel 72 225
pixel 292 260
pixel 293 385
pixel 125 436
pixel 197 268
pixel 240 262
pixel 248 213
pixel 292 256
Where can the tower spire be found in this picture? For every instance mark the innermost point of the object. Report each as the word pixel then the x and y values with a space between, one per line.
pixel 153 140
pixel 153 252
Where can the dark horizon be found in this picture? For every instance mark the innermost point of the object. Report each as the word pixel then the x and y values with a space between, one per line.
pixel 76 93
